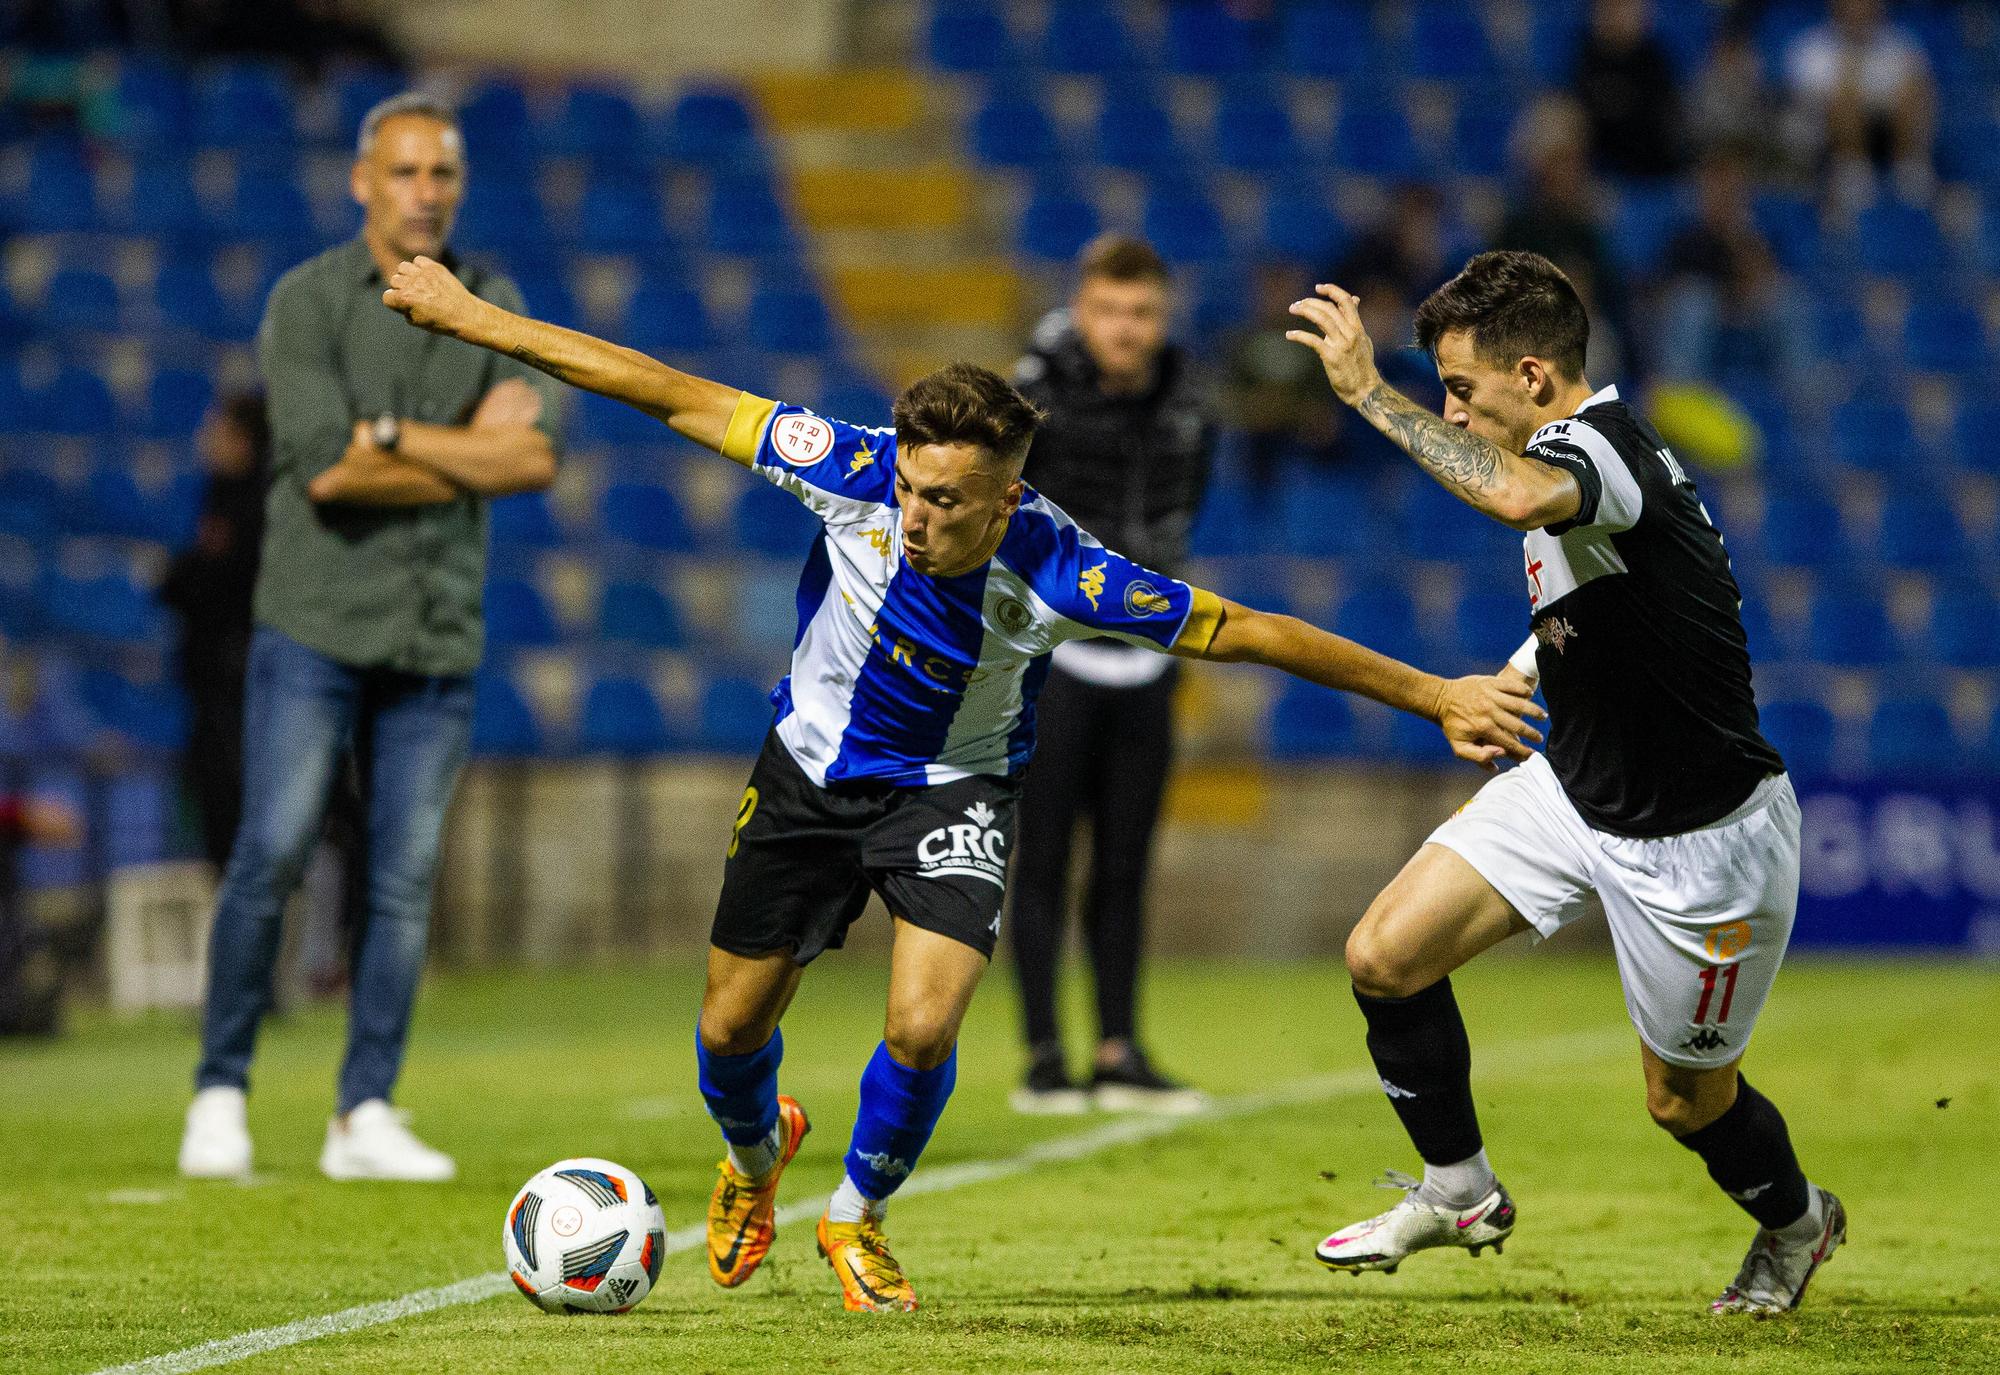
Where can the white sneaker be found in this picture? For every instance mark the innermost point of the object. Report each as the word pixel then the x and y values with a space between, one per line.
pixel 1774 1276
pixel 216 1142
pixel 375 1144
pixel 1416 1224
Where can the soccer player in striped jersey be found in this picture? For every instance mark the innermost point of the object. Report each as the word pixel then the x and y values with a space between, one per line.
pixel 931 599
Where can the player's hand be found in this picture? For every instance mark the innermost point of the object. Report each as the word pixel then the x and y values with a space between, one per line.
pixel 511 404
pixel 1485 717
pixel 1343 345
pixel 425 293
pixel 1514 680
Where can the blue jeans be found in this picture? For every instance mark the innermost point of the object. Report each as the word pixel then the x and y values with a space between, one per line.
pixel 409 733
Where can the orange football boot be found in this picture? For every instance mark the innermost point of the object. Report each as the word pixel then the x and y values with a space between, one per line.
pixel 870 1279
pixel 739 1211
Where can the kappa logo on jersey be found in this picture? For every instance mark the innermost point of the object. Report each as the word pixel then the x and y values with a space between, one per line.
pixel 800 439
pixel 879 539
pixel 1707 1039
pixel 862 458
pixel 966 851
pixel 1091 584
pixel 1144 599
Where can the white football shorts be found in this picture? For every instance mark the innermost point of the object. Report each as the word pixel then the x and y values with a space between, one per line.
pixel 1699 920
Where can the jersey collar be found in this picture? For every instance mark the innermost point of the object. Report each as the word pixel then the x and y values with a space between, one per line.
pixel 1598 398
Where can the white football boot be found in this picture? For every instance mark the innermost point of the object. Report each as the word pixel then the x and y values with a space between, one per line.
pixel 216 1142
pixel 375 1144
pixel 1416 1224
pixel 1774 1276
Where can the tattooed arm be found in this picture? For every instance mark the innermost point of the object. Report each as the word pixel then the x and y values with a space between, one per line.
pixel 1512 488
pixel 429 296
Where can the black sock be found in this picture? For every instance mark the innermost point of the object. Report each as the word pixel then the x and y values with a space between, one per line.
pixel 1749 1153
pixel 1420 1050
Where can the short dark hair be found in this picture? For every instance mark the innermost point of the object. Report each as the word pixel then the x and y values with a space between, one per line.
pixel 963 403
pixel 1513 304
pixel 1122 258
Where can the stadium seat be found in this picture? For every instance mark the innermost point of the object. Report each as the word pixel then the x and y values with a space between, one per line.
pixel 518 616
pixel 503 214
pixel 1872 435
pixel 176 400
pixel 1643 225
pixel 746 217
pixel 1253 133
pixel 1849 627
pixel 772 522
pixel 1299 224
pixel 356 91
pixel 788 320
pixel 104 606
pixel 712 127
pixel 82 299
pixel 1310 722
pixel 150 714
pixel 111 502
pixel 1898 240
pixel 856 401
pixel 1913 737
pixel 595 121
pixel 1012 130
pixel 621 215
pixel 1135 134
pixel 76 401
pixel 1802 530
pixel 1087 38
pixel 667 317
pixel 1802 731
pixel 268 203
pixel 1480 134
pixel 152 105
pixel 59 196
pixel 599 417
pixel 621 717
pixel 1947 337
pixel 1448 42
pixel 1225 525
pixel 1183 223
pixel 503 724
pixel 1790 224
pixel 524 521
pixel 735 715
pixel 1334 40
pixel 1921 532
pixel 163 203
pixel 244 105
pixel 1489 627
pixel 1056 224
pixel 1322 516
pixel 186 297
pixel 28 503
pixel 1384 618
pixel 638 613
pixel 1977 436
pixel 496 121
pixel 1209 40
pixel 969 38
pixel 1373 139
pixel 647 516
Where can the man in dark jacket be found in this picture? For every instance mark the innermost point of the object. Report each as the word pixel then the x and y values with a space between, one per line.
pixel 1126 451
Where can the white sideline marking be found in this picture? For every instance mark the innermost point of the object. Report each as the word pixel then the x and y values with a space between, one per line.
pixel 1123 1131
pixel 141 1195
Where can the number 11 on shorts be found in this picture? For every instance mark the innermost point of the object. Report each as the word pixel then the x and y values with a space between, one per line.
pixel 1728 973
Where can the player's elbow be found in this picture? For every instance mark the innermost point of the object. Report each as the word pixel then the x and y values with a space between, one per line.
pixel 1518 509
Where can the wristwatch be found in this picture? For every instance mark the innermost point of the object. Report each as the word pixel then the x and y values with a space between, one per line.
pixel 387 432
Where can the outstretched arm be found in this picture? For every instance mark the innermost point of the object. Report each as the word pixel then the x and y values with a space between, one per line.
pixel 1512 488
pixel 1482 717
pixel 429 296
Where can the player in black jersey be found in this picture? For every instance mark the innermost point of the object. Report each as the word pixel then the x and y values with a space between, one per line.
pixel 1657 802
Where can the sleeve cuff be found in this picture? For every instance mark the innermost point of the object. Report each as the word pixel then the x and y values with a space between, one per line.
pixel 1204 618
pixel 746 428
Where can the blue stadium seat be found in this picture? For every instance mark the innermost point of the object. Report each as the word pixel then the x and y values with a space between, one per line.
pixel 106 606
pixel 163 203
pixel 1913 737
pixel 517 615
pixel 1383 618
pixel 244 105
pixel 1056 224
pixel 969 38
pixel 667 317
pixel 1334 40
pixel 1373 138
pixel 81 298
pixel 28 502
pixel 356 91
pixel 176 400
pixel 59 196
pixel 1322 516
pixel 855 400
pixel 621 717
pixel 1226 525
pixel 599 417
pixel 152 105
pixel 1898 240
pixel 186 298
pixel 76 401
pixel 1310 722
pixel 1791 225
pixel 1488 627
pixel 1802 731
pixel 1012 130
pixel 1183 223
pixel 1947 337
pixel 746 217
pixel 1449 43
pixel 1088 38
pixel 647 516
pixel 1803 530
pixel 524 521
pixel 501 214
pixel 713 127
pixel 621 215
pixel 1253 133
pixel 152 714
pixel 735 715
pixel 1873 435
pixel 1964 628
pixel 595 121
pixel 1978 436
pixel 638 613
pixel 268 203
pixel 1208 40
pixel 1849 627
pixel 503 724
pixel 111 502
pixel 1437 526
pixel 772 522
pixel 1921 532
pixel 1299 224
pixel 1644 223
pixel 789 320
pixel 1480 134
pixel 1135 133
pixel 499 129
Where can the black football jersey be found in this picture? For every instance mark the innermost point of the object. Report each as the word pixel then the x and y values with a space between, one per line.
pixel 1652 720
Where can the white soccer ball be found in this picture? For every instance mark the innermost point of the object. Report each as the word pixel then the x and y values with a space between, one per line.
pixel 585 1236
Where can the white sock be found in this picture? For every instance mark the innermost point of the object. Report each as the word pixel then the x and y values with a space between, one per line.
pixel 1460 1185
pixel 851 1205
pixel 757 1159
pixel 1810 1224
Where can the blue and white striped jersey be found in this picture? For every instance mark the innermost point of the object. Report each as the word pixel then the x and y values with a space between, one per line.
pixel 904 678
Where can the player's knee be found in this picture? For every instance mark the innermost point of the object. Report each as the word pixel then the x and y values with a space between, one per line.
pixel 1675 1112
pixel 920 1039
pixel 1377 968
pixel 728 1031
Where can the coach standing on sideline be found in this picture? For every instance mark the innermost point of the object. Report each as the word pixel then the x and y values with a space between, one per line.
pixel 387 443
pixel 1125 451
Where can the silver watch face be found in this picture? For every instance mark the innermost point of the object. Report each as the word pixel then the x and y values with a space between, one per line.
pixel 387 431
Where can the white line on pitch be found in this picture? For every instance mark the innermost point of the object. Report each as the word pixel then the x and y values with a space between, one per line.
pixel 1122 1132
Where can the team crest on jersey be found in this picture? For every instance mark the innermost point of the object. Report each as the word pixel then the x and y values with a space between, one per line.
pixel 801 440
pixel 973 850
pixel 1556 632
pixel 1091 584
pixel 1144 599
pixel 1013 615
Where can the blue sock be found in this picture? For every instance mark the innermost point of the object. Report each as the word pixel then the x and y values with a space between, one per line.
pixel 900 1107
pixel 742 1090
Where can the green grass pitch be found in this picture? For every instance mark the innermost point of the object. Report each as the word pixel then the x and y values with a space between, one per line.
pixel 1188 1251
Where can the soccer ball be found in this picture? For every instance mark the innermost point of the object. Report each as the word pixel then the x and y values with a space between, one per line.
pixel 585 1236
